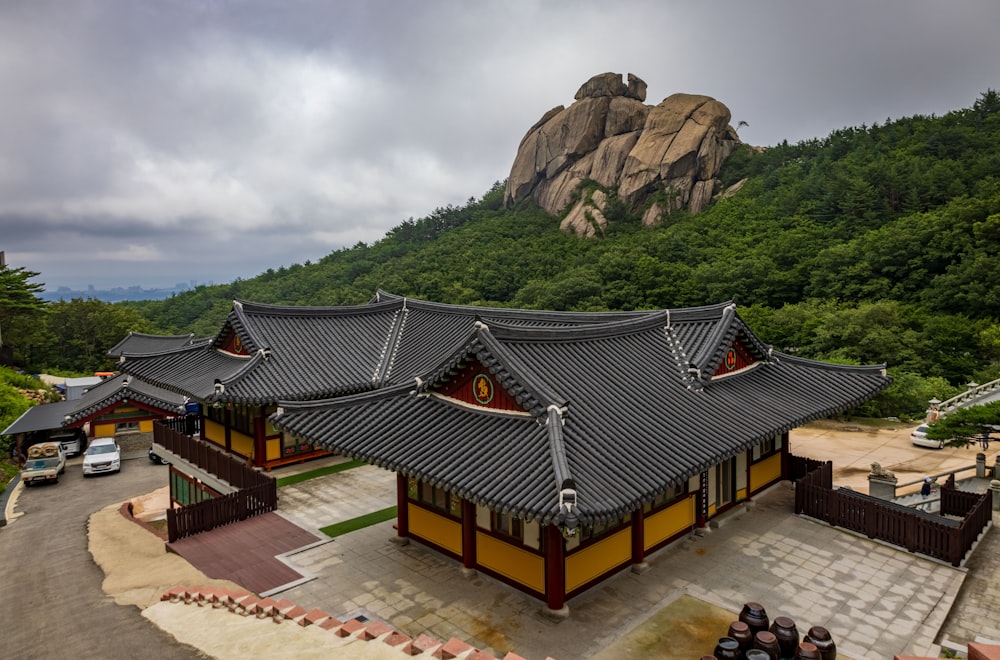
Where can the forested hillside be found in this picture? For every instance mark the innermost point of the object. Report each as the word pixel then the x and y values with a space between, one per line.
pixel 875 244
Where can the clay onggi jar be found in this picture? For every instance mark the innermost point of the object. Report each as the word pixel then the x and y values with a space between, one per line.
pixel 742 634
pixel 788 635
pixel 766 641
pixel 754 615
pixel 821 639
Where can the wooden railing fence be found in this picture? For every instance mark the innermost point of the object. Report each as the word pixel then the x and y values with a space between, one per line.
pixel 255 493
pixel 223 510
pixel 186 425
pixel 207 457
pixel 917 531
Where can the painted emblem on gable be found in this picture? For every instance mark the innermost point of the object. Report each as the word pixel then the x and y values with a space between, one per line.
pixel 731 359
pixel 235 345
pixel 482 389
pixel 737 358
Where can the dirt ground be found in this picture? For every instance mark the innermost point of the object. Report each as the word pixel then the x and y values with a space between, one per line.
pixel 853 447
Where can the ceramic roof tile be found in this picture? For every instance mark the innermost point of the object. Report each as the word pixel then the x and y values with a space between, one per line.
pixel 633 425
pixel 139 343
pixel 106 394
pixel 311 353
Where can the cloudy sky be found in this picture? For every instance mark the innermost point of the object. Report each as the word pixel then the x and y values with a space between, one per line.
pixel 149 142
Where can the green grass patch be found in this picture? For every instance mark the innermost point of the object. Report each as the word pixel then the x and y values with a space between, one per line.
pixel 367 520
pixel 312 474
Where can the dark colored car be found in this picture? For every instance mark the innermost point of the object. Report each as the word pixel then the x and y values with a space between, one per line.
pixel 157 459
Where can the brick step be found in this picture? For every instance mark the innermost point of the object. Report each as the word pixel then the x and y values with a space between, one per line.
pixel 244 603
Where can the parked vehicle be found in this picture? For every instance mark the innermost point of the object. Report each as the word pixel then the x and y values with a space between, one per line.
pixel 156 458
pixel 72 441
pixel 46 461
pixel 919 438
pixel 103 455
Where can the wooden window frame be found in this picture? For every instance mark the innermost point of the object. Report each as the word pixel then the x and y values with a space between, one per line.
pixel 665 499
pixel 507 526
pixel 766 448
pixel 437 499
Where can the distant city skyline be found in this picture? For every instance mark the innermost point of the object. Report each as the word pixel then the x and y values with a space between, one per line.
pixel 119 293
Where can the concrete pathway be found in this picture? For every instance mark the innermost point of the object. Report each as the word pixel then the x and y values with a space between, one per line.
pixel 334 498
pixel 976 612
pixel 876 600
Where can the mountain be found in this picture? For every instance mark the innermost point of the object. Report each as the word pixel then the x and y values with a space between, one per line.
pixel 655 159
pixel 874 244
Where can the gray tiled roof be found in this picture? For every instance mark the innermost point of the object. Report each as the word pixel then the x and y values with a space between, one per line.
pixel 41 418
pixel 106 394
pixel 122 389
pixel 139 342
pixel 312 353
pixel 615 407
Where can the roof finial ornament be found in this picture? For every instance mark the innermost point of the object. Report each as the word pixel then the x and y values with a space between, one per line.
pixel 558 411
pixel 567 504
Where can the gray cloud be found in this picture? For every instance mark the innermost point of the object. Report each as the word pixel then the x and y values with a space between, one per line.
pixel 149 142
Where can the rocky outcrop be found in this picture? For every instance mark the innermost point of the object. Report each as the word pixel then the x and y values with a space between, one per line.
pixel 657 159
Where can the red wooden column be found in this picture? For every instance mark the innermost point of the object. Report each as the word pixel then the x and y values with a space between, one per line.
pixel 402 510
pixel 259 438
pixel 639 564
pixel 468 537
pixel 203 422
pixel 555 569
pixel 227 424
pixel 786 468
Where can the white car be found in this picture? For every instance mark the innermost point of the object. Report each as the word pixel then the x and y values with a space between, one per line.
pixel 103 455
pixel 919 438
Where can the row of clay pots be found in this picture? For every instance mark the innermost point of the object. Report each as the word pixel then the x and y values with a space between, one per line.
pixel 755 637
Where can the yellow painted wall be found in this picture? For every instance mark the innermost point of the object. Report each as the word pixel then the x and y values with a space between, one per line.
pixel 103 430
pixel 215 432
pixel 664 524
pixel 510 561
pixel 765 472
pixel 587 564
pixel 273 449
pixel 106 429
pixel 240 443
pixel 437 529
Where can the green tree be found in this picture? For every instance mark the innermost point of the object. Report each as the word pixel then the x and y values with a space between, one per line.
pixel 84 331
pixel 968 426
pixel 18 295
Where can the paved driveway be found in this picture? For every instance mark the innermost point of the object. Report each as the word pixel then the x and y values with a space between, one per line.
pixel 53 606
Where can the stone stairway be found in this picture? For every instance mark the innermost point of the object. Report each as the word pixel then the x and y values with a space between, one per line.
pixel 932 503
pixel 929 504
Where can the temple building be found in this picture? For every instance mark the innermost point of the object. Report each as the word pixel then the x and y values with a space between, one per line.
pixel 549 450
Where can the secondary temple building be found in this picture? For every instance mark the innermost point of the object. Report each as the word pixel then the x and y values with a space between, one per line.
pixel 549 450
